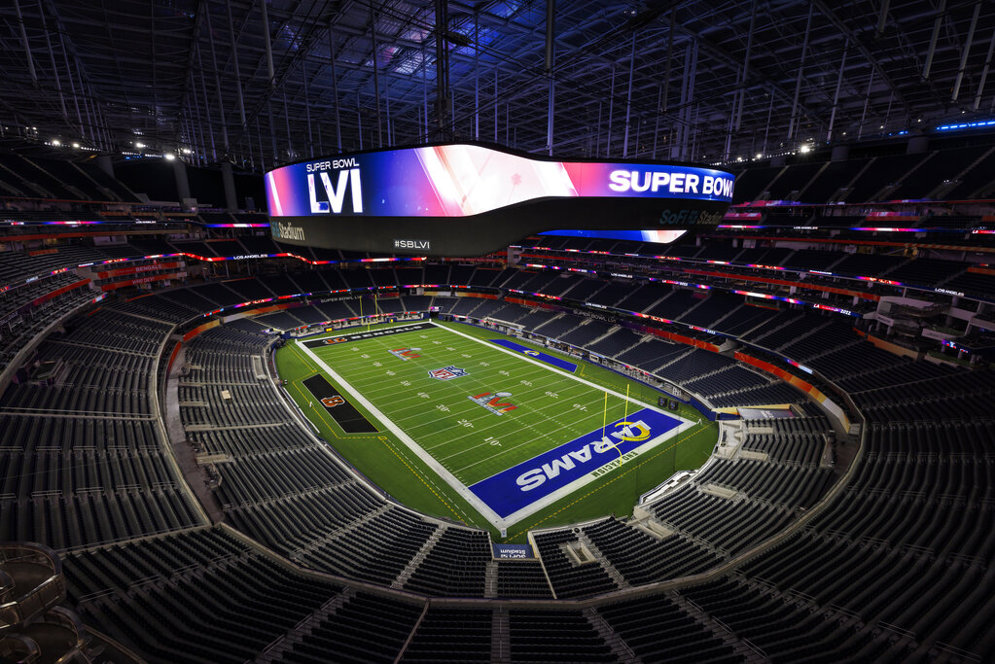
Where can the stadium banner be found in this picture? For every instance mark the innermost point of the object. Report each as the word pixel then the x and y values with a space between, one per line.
pixel 470 199
pixel 200 329
pixel 358 336
pixel 153 267
pixel 60 291
pixel 673 336
pixel 536 354
pixel 115 285
pixel 589 456
pixel 512 551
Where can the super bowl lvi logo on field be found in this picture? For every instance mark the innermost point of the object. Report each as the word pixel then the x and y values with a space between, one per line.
pixel 497 403
pixel 404 353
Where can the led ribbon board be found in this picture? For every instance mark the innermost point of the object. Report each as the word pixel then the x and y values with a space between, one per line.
pixel 462 199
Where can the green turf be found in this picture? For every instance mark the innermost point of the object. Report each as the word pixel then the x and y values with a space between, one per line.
pixel 468 440
pixel 472 442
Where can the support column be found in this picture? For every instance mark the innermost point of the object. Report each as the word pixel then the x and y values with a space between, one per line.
pixel 476 76
pixel 801 69
pixel 182 183
pixel 105 164
pixel 335 88
pixel 424 92
pixel 217 81
pixel 234 59
pixel 550 18
pixel 867 99
pixel 932 40
pixel 228 182
pixel 270 74
pixel 984 72
pixel 72 89
pixel 770 113
pixel 51 57
pixel 836 95
pixel 966 51
pixel 307 110
pixel 882 18
pixel 611 112
pixel 207 107
pixel 286 119
pixel 441 68
pixel 628 98
pixel 27 46
pixel 746 67
pixel 376 74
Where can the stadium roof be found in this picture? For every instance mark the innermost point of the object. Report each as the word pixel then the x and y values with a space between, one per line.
pixel 262 82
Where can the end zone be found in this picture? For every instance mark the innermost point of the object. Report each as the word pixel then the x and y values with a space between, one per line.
pixel 523 489
pixel 628 439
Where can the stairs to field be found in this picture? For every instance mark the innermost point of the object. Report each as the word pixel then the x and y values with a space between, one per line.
pixel 612 638
pixel 282 644
pixel 610 569
pixel 690 350
pixel 491 579
pixel 316 544
pixel 406 573
pixel 500 637
pixel 749 652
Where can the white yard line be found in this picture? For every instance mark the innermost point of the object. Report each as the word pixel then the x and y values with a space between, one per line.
pixel 550 367
pixel 454 482
pixel 427 458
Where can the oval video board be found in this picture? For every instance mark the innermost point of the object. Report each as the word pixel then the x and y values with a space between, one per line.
pixel 463 199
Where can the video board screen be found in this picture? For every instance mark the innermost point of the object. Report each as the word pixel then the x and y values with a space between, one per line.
pixel 465 199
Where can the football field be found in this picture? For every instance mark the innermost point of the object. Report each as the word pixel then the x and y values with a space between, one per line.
pixel 510 428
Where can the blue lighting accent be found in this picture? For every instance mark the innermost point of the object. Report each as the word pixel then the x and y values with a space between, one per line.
pixel 967 125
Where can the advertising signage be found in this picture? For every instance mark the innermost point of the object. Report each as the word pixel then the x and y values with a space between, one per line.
pixel 464 199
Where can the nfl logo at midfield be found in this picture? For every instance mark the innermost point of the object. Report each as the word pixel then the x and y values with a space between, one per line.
pixel 447 373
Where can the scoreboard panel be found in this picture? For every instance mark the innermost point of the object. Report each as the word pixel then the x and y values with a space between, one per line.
pixel 470 199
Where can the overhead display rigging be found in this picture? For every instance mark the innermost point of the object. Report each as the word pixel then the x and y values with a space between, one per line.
pixel 459 199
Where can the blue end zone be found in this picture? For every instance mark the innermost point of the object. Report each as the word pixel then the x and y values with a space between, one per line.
pixel 520 486
pixel 537 354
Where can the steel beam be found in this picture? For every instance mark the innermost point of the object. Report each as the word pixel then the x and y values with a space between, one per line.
pixel 882 18
pixel 217 80
pixel 984 72
pixel 238 76
pixel 798 79
pixel 628 97
pixel 271 76
pixel 335 88
pixel 207 106
pixel 51 57
pixel 836 95
pixel 927 67
pixel 746 67
pixel 867 100
pixel 550 24
pixel 966 50
pixel 27 46
pixel 376 73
